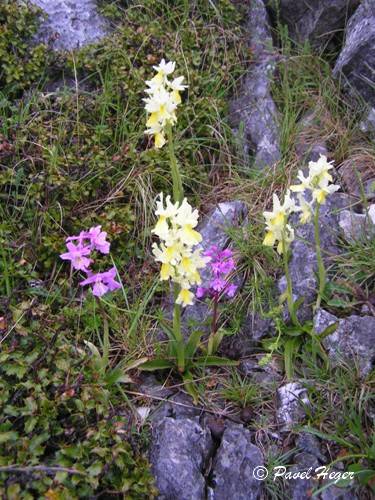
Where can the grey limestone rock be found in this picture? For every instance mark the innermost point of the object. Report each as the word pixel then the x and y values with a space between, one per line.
pixel 353 340
pixel 356 62
pixel 178 406
pixel 300 488
pixel 335 493
pixel 178 453
pixel 308 443
pixel 367 125
pixel 316 21
pixel 254 112
pixel 291 402
pixel 270 374
pixel 233 466
pixel 357 226
pixel 245 341
pixel 70 23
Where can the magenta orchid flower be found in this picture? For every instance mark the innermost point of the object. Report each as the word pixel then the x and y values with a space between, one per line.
pixel 102 282
pixel 97 239
pixel 222 263
pixel 85 243
pixel 77 255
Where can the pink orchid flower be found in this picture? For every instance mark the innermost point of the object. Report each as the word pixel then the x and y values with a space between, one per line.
pixel 222 263
pixel 77 255
pixel 102 282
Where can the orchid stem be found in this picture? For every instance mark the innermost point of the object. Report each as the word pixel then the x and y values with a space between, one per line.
pixel 213 326
pixel 178 190
pixel 177 331
pixel 319 258
pixel 289 287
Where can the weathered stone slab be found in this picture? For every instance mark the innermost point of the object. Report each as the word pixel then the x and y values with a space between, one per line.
pixel 70 23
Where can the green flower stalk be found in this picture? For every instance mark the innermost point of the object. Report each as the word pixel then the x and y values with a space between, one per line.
pixel 178 190
pixel 289 286
pixel 161 105
pixel 318 184
pixel 279 232
pixel 321 269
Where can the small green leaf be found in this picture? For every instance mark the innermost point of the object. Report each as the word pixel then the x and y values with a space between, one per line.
pixel 95 469
pixel 8 436
pixel 363 475
pixel 328 331
pixel 294 331
pixel 190 386
pixel 116 376
pixel 215 361
pixel 290 350
pixel 192 343
pixel 156 364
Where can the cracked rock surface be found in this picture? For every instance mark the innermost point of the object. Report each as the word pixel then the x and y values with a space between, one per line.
pixel 70 23
pixel 233 466
pixel 254 111
pixel 316 21
pixel 356 61
pixel 190 461
pixel 353 339
pixel 178 453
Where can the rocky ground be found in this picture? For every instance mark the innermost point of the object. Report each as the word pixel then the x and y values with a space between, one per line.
pixel 252 419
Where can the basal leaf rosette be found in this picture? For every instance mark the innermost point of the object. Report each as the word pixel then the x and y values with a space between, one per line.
pixel 177 252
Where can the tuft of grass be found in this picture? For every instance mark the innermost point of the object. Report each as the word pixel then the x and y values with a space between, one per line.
pixel 240 391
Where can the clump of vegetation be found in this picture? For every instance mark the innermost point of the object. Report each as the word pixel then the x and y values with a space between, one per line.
pixel 79 157
pixel 64 428
pixel 22 62
pixel 75 156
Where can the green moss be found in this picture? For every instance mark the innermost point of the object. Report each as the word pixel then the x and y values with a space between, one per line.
pixel 21 61
pixel 58 412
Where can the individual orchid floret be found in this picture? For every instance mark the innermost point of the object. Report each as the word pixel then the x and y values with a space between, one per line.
pixel 185 297
pixel 102 282
pixel 305 183
pixel 77 254
pixel 169 212
pixel 95 238
pixel 86 242
pixel 163 97
pixel 98 239
pixel 180 262
pixel 177 87
pixel 221 265
pixel 277 227
pixel 305 208
pixel 165 68
pixel 187 219
pixel 320 193
pixel 317 181
pixel 319 170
